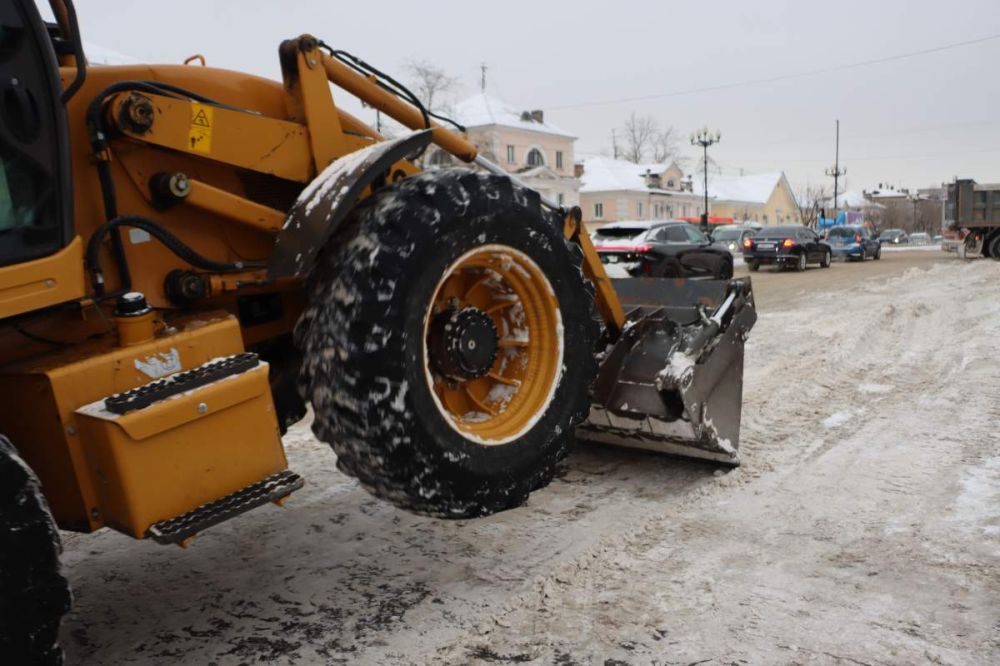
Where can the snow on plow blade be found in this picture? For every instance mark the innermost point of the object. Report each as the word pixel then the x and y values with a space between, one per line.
pixel 673 382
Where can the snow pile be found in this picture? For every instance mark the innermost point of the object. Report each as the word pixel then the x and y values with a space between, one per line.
pixel 936 247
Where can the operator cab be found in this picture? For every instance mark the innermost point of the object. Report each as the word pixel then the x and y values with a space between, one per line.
pixel 35 198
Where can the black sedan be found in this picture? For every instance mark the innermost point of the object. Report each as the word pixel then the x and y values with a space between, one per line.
pixel 661 249
pixel 792 246
pixel 894 237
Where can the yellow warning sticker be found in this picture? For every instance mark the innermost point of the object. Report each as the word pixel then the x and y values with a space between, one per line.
pixel 200 132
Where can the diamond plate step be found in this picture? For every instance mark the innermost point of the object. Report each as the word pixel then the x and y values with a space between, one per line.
pixel 178 530
pixel 182 382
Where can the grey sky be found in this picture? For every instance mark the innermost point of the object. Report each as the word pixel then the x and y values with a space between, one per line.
pixel 911 122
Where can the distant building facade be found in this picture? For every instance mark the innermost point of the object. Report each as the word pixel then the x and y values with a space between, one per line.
pixel 911 210
pixel 763 198
pixel 522 142
pixel 615 190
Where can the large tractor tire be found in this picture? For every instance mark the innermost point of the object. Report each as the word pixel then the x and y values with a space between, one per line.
pixel 991 248
pixel 448 346
pixel 34 595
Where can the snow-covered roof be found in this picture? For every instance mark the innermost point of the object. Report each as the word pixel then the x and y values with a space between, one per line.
pixel 483 110
pixel 853 199
pixel 754 188
pixel 604 174
pixel 888 194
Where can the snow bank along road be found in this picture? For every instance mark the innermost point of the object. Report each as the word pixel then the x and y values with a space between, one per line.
pixel 864 527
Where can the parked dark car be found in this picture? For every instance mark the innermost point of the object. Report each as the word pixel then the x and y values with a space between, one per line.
pixel 731 236
pixel 662 249
pixel 894 237
pixel 854 242
pixel 791 246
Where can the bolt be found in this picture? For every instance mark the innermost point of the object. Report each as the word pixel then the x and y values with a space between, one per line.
pixel 140 112
pixel 94 513
pixel 202 408
pixel 70 430
pixel 472 344
pixel 14 81
pixel 49 284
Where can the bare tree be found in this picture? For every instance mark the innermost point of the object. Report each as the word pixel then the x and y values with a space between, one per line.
pixel 430 83
pixel 640 137
pixel 665 146
pixel 810 200
pixel 896 215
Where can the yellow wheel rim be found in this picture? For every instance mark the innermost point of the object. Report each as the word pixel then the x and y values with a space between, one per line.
pixel 510 288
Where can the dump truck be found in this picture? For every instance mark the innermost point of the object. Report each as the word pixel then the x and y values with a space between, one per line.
pixel 192 257
pixel 972 217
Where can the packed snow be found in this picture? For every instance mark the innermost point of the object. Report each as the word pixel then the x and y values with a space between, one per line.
pixel 870 542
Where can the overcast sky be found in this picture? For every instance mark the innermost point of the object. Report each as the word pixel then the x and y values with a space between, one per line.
pixel 912 122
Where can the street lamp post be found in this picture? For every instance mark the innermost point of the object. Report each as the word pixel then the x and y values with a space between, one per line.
pixel 705 138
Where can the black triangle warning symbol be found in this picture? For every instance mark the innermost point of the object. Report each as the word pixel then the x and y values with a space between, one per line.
pixel 200 119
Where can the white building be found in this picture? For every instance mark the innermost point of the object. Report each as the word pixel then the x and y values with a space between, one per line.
pixel 615 190
pixel 522 142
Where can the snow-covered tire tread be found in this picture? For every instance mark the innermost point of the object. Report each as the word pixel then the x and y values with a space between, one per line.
pixel 362 367
pixel 34 595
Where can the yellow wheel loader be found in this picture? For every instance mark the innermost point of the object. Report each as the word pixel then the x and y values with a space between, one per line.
pixel 190 256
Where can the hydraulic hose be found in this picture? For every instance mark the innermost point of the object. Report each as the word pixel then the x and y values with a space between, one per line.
pixel 172 243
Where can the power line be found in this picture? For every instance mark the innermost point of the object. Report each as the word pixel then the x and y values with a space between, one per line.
pixel 775 79
pixel 919 129
pixel 878 158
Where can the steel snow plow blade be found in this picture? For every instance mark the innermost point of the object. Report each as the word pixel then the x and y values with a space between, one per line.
pixel 673 382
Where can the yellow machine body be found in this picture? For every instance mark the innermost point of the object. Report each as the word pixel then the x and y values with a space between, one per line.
pixel 235 168
pixel 39 399
pixel 181 453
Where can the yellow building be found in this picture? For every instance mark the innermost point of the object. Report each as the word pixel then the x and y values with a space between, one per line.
pixel 763 198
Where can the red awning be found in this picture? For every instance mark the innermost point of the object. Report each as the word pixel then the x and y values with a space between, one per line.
pixel 712 219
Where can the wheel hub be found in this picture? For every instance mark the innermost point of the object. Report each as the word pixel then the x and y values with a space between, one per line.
pixel 463 343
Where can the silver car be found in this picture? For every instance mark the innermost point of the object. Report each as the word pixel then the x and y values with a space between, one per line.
pixel 731 237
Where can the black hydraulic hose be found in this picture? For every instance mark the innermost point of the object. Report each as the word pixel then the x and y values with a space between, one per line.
pixel 388 83
pixel 99 141
pixel 172 243
pixel 111 212
pixel 95 124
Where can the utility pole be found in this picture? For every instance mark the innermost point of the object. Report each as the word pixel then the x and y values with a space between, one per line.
pixel 614 143
pixel 836 172
pixel 482 80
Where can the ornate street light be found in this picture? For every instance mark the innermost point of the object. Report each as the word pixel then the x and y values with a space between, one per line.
pixel 705 138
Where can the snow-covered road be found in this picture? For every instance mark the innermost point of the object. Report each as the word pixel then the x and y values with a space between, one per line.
pixel 864 527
